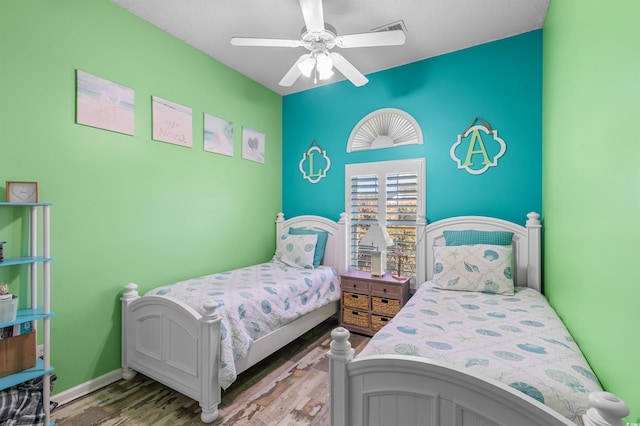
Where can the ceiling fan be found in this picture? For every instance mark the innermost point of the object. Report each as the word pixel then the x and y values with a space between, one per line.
pixel 319 38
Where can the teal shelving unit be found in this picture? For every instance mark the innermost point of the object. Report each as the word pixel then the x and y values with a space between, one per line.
pixel 39 289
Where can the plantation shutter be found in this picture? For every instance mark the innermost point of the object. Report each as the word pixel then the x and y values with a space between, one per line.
pixel 363 212
pixel 390 193
pixel 401 214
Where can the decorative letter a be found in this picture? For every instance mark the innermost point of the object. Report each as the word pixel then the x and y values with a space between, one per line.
pixel 476 139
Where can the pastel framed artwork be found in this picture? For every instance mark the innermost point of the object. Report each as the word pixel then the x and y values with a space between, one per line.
pixel 104 104
pixel 253 143
pixel 218 135
pixel 172 122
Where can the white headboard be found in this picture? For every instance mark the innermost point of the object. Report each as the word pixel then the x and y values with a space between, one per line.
pixel 335 252
pixel 526 244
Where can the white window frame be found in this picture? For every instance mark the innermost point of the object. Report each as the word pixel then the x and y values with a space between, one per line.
pixel 382 169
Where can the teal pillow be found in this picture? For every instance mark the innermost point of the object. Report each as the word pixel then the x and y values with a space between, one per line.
pixel 469 237
pixel 320 245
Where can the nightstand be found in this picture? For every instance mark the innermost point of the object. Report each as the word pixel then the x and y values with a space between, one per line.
pixel 368 303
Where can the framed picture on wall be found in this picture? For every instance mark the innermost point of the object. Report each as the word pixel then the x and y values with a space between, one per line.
pixel 252 145
pixel 171 122
pixel 218 135
pixel 104 104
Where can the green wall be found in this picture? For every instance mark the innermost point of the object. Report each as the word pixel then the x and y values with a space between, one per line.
pixel 591 183
pixel 127 208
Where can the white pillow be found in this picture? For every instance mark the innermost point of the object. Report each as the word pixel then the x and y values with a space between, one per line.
pixel 479 267
pixel 296 250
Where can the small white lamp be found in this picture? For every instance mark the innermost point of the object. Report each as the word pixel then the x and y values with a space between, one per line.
pixel 377 240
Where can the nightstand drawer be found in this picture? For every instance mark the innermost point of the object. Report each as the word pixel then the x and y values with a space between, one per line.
pixel 361 319
pixel 386 290
pixel 385 306
pixel 353 300
pixel 355 286
pixel 377 322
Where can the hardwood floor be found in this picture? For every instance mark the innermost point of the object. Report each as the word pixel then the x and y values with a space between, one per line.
pixel 288 388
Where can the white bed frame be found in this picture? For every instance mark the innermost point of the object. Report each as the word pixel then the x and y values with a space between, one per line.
pixel 385 390
pixel 170 342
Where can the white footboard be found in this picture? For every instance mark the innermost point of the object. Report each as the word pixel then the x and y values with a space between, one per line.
pixel 170 342
pixel 402 390
pixel 173 344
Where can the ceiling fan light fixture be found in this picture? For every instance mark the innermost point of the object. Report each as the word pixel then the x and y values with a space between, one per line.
pixel 324 64
pixel 306 66
pixel 325 74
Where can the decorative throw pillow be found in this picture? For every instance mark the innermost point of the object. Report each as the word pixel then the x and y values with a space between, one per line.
pixel 296 250
pixel 470 236
pixel 320 244
pixel 481 267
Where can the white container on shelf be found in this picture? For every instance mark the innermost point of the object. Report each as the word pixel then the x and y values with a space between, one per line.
pixel 8 309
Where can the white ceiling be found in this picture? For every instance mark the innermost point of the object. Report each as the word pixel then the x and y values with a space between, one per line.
pixel 433 27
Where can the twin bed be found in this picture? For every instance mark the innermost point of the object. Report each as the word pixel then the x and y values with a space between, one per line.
pixel 477 344
pixel 496 354
pixel 196 336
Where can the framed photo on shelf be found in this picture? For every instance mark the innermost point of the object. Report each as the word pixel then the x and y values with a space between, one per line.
pixel 22 192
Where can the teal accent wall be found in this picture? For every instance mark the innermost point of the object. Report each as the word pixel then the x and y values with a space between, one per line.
pixel 500 82
pixel 127 208
pixel 591 182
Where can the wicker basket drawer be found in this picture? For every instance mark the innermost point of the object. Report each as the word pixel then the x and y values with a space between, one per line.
pixel 361 319
pixel 358 301
pixel 385 306
pixel 377 322
pixel 355 286
pixel 386 290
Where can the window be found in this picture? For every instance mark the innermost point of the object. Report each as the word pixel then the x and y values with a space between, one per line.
pixel 392 194
pixel 384 128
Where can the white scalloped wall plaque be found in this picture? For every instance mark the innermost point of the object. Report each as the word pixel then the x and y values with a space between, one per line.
pixel 312 166
pixel 476 158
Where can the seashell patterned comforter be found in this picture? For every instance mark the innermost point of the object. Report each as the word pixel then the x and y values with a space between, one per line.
pixel 254 301
pixel 518 340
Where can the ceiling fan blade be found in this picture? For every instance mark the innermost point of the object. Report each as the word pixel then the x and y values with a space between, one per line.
pixel 381 38
pixel 348 70
pixel 294 72
pixel 264 42
pixel 313 15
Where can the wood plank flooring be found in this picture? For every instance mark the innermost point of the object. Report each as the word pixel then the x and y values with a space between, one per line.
pixel 287 388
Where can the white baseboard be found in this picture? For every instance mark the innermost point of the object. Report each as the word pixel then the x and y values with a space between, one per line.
pixel 87 387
